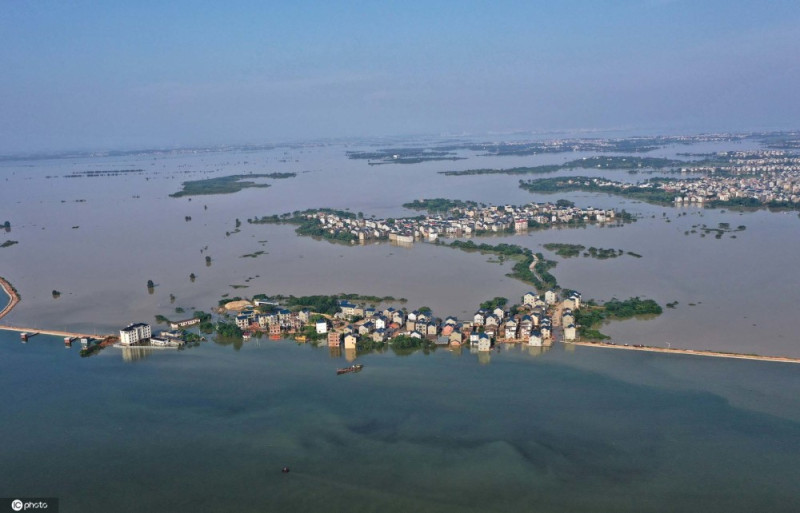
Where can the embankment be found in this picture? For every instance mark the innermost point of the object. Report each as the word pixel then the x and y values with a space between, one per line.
pixel 12 295
pixel 695 352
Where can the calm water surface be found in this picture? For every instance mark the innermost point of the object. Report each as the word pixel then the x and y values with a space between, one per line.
pixel 209 428
pixel 733 294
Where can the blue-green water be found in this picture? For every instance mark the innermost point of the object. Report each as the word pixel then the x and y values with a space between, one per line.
pixel 209 428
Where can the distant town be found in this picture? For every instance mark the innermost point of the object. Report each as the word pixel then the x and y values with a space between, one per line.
pixel 767 178
pixel 637 144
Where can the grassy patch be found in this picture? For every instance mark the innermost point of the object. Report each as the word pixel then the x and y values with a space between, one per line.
pixel 565 250
pixel 226 184
pixel 588 318
pixel 252 255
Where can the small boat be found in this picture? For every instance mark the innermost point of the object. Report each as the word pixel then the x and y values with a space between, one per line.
pixel 353 368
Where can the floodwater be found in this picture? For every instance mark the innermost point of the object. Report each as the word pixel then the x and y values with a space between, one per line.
pixel 521 429
pixel 209 429
pixel 98 240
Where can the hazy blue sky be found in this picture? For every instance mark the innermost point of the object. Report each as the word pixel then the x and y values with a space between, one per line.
pixel 141 73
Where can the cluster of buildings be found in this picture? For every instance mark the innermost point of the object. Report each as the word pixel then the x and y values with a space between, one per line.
pixel 764 189
pixel 459 222
pixel 766 176
pixel 276 322
pixel 750 162
pixel 141 334
pixel 782 187
pixel 607 145
pixel 535 322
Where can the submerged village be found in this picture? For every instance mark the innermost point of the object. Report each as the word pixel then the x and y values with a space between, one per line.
pixel 445 218
pixel 361 324
pixel 538 321
pixel 354 325
pixel 357 324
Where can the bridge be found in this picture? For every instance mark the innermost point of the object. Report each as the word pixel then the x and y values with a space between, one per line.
pixel 55 333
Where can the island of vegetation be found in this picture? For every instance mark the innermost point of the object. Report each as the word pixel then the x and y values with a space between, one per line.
pixel 8 243
pixel 530 267
pixel 255 254
pixel 402 156
pixel 574 250
pixel 604 163
pixel 104 173
pixel 327 304
pixel 439 205
pixel 593 315
pixel 226 184
pixel 567 145
pixel 648 191
pixel 719 231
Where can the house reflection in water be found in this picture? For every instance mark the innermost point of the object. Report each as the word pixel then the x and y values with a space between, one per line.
pixel 536 351
pixel 134 354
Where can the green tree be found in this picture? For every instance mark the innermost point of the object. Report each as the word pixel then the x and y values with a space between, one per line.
pixel 228 330
pixel 494 303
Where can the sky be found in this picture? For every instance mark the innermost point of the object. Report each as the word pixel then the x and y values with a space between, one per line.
pixel 146 74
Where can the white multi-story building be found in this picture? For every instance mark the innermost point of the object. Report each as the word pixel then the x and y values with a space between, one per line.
pixel 535 339
pixel 484 342
pixel 134 333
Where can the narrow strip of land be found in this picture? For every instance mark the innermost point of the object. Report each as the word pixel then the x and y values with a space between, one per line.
pixel 695 352
pixel 54 333
pixel 13 297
